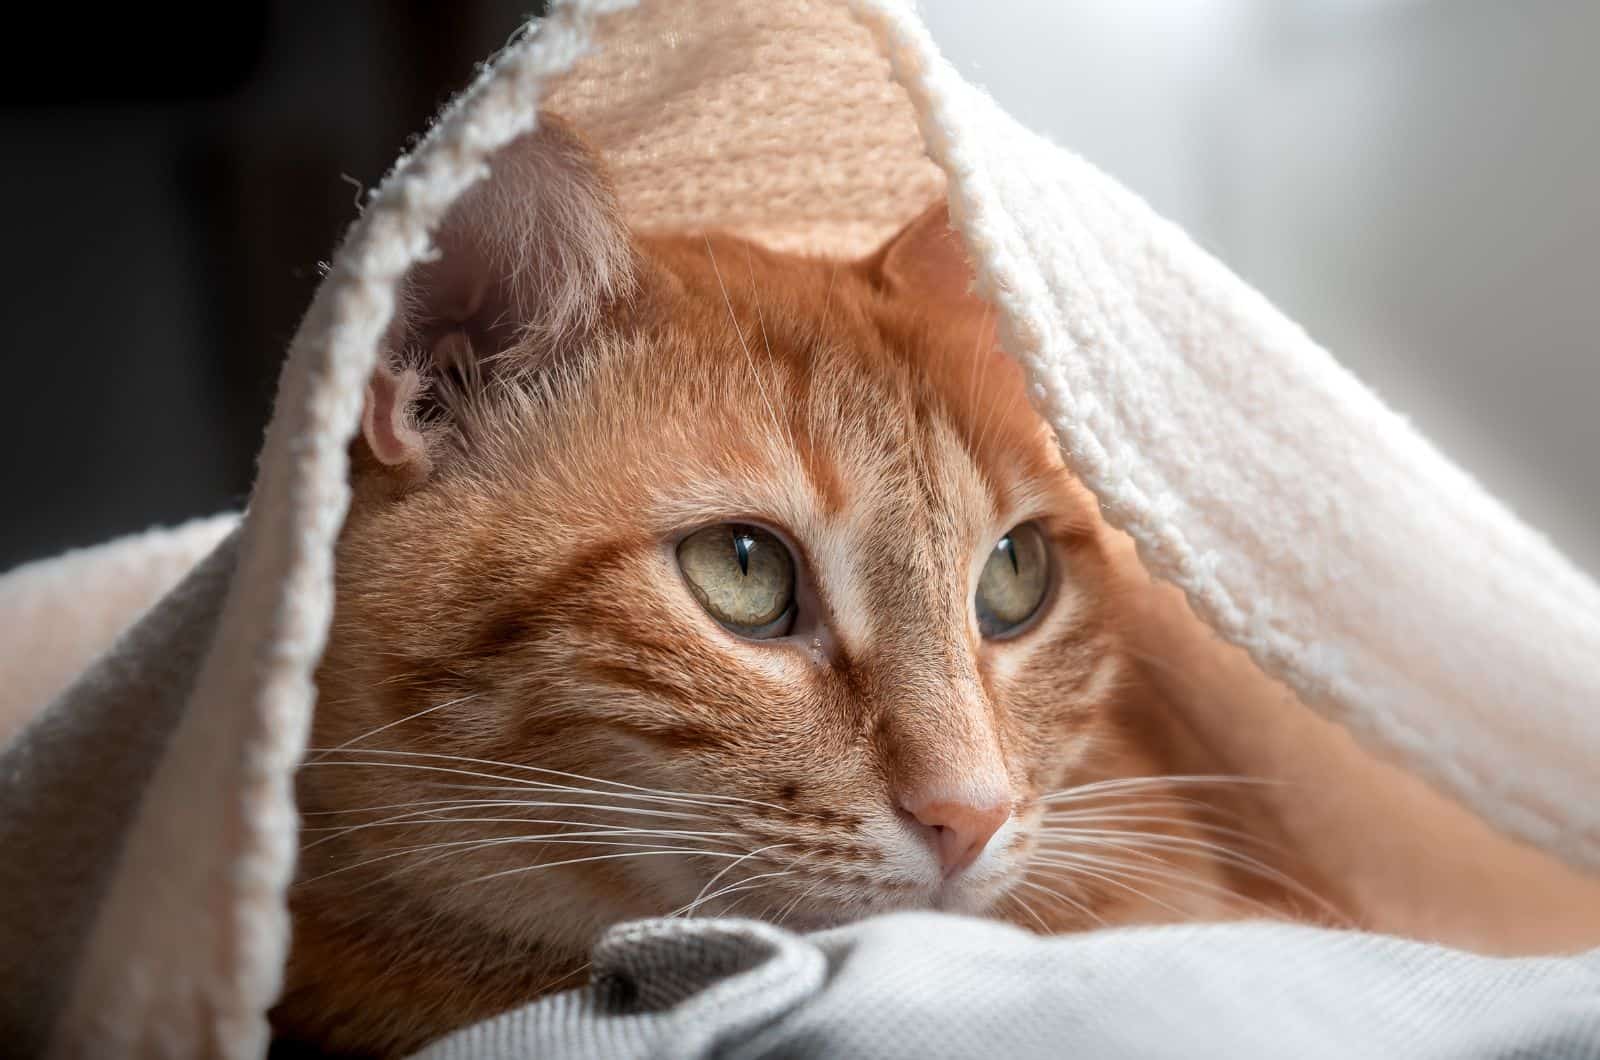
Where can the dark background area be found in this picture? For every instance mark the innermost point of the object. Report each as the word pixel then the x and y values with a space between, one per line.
pixel 174 181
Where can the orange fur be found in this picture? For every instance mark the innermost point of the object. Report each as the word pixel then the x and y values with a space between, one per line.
pixel 517 584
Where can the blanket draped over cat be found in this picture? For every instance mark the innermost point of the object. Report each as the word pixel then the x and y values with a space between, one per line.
pixel 148 808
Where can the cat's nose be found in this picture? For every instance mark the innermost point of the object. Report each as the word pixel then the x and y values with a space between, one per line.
pixel 959 830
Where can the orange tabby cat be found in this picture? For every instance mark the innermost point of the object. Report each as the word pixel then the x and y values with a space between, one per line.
pixel 684 577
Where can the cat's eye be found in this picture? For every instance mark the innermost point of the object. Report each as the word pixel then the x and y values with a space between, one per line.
pixel 1014 581
pixel 743 576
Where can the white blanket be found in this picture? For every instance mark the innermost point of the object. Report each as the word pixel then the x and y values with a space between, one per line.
pixel 148 814
pixel 915 986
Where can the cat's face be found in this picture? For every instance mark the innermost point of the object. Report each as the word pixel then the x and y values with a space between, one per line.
pixel 698 579
pixel 779 599
pixel 816 604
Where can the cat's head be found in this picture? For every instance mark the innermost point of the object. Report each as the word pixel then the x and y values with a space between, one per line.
pixel 680 571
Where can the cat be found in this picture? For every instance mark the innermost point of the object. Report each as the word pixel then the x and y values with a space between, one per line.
pixel 682 576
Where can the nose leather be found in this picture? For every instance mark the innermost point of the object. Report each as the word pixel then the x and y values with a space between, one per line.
pixel 959 831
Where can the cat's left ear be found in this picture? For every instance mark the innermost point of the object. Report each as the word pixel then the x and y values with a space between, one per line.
pixel 925 259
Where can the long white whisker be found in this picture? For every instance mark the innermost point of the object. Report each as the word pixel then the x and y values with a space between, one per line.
pixel 1137 818
pixel 430 816
pixel 1104 875
pixel 1131 838
pixel 1131 841
pixel 741 885
pixel 737 330
pixel 657 793
pixel 600 827
pixel 1100 787
pixel 977 357
pixel 639 810
pixel 1129 802
pixel 746 892
pixel 787 911
pixel 1013 896
pixel 602 857
pixel 989 419
pixel 1141 871
pixel 546 787
pixel 520 784
pixel 401 721
pixel 591 838
pixel 1053 893
pixel 726 869
pixel 762 321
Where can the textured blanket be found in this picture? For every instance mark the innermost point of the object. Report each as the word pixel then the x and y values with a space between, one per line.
pixel 1322 570
pixel 924 987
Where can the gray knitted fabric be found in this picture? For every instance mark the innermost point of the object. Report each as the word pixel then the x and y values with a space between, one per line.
pixel 925 986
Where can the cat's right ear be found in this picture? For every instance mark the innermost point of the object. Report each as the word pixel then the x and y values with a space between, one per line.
pixel 529 262
pixel 925 260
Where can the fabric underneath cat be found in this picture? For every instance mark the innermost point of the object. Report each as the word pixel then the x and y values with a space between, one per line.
pixel 924 986
pixel 1290 506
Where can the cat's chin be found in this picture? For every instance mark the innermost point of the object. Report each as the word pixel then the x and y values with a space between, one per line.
pixel 811 922
pixel 961 895
pixel 966 897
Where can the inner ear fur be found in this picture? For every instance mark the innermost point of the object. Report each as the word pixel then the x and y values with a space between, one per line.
pixel 528 264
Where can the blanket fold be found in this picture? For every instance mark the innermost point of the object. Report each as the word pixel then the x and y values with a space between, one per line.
pixel 1324 556
pixel 927 987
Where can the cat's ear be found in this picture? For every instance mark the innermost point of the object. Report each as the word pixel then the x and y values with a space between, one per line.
pixel 925 259
pixel 529 262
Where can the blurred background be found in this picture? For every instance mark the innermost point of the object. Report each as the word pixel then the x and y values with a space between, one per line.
pixel 1416 181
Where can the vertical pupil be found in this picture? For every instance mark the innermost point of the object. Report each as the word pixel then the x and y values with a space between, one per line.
pixel 741 549
pixel 1010 549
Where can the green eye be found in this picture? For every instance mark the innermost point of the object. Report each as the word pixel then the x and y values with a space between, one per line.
pixel 1013 582
pixel 743 576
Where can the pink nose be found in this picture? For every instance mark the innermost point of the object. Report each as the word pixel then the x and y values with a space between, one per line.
pixel 960 831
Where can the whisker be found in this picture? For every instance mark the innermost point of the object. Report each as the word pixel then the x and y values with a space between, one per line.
pixel 579 970
pixel 1132 841
pixel 616 830
pixel 726 869
pixel 640 810
pixel 746 892
pixel 977 357
pixel 1026 908
pixel 401 721
pixel 737 330
pixel 789 909
pixel 429 816
pixel 580 861
pixel 1107 876
pixel 1100 787
pixel 1034 885
pixel 1129 802
pixel 1130 870
pixel 1180 822
pixel 557 838
pixel 521 784
pixel 703 798
pixel 742 885
pixel 989 418
pixel 771 361
pixel 543 787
